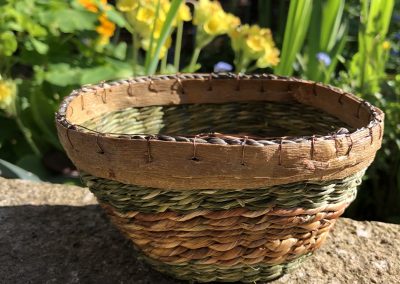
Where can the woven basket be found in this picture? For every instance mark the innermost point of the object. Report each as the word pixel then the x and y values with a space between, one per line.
pixel 221 177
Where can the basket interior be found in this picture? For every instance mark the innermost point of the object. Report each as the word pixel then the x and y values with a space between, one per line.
pixel 260 119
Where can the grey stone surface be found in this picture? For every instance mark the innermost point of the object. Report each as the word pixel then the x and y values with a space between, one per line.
pixel 57 234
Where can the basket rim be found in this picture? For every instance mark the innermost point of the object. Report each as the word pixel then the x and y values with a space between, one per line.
pixel 212 160
pixel 376 115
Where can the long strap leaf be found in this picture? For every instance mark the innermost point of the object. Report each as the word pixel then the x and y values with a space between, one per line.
pixel 295 32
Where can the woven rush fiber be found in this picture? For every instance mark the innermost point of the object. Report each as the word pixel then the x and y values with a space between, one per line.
pixel 126 197
pixel 220 235
pixel 221 177
pixel 246 274
pixel 259 119
pixel 206 245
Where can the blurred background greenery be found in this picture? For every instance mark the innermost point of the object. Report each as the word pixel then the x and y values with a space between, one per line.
pixel 50 47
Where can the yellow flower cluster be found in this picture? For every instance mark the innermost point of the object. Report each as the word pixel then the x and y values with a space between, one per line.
pixel 147 18
pixel 252 43
pixel 212 19
pixel 106 28
pixel 7 95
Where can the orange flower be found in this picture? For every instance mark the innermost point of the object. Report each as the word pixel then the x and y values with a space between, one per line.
pixel 91 5
pixel 105 29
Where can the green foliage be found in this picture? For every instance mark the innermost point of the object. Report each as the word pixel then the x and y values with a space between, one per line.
pixel 380 192
pixel 295 32
pixel 327 36
pixel 367 68
pixel 46 55
pixel 8 43
pixel 12 171
pixel 367 77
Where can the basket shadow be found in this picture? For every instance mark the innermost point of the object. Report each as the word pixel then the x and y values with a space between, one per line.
pixel 67 244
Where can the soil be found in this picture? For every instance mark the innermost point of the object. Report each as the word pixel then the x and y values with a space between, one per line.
pixel 58 234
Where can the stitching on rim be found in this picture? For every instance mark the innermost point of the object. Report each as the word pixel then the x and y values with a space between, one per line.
pixel 194 157
pixel 238 82
pixel 243 146
pixel 82 102
pixel 210 86
pixel 130 89
pixel 351 144
pixel 280 151
pixel 100 148
pixel 149 156
pixel 312 147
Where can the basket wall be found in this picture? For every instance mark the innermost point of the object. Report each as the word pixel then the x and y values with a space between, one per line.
pixel 221 177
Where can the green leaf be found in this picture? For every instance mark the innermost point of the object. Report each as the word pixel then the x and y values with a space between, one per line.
pixel 116 17
pixel 34 165
pixel 195 68
pixel 68 20
pixel 295 31
pixel 43 114
pixel 337 50
pixel 8 43
pixel 9 170
pixel 332 17
pixel 120 51
pixel 62 74
pixel 122 69
pixel 313 42
pixel 39 46
pixel 97 74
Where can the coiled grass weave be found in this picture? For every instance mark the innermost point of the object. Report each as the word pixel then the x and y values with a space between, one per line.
pixel 259 119
pixel 223 235
pixel 126 197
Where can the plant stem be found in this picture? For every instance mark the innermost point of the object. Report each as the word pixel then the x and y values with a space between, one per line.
pixel 28 136
pixel 163 66
pixel 251 68
pixel 178 46
pixel 194 59
pixel 134 53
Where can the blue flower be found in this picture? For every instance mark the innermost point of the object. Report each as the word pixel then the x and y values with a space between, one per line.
pixel 394 52
pixel 324 58
pixel 222 67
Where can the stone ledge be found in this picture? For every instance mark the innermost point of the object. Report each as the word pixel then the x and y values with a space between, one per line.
pixel 57 234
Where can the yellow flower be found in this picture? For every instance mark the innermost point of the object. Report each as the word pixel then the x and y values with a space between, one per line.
pixel 255 43
pixel 7 95
pixel 146 21
pixel 252 43
pixel 386 45
pixel 127 5
pixel 270 57
pixel 184 13
pixel 204 9
pixel 105 29
pixel 145 14
pixel 210 17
